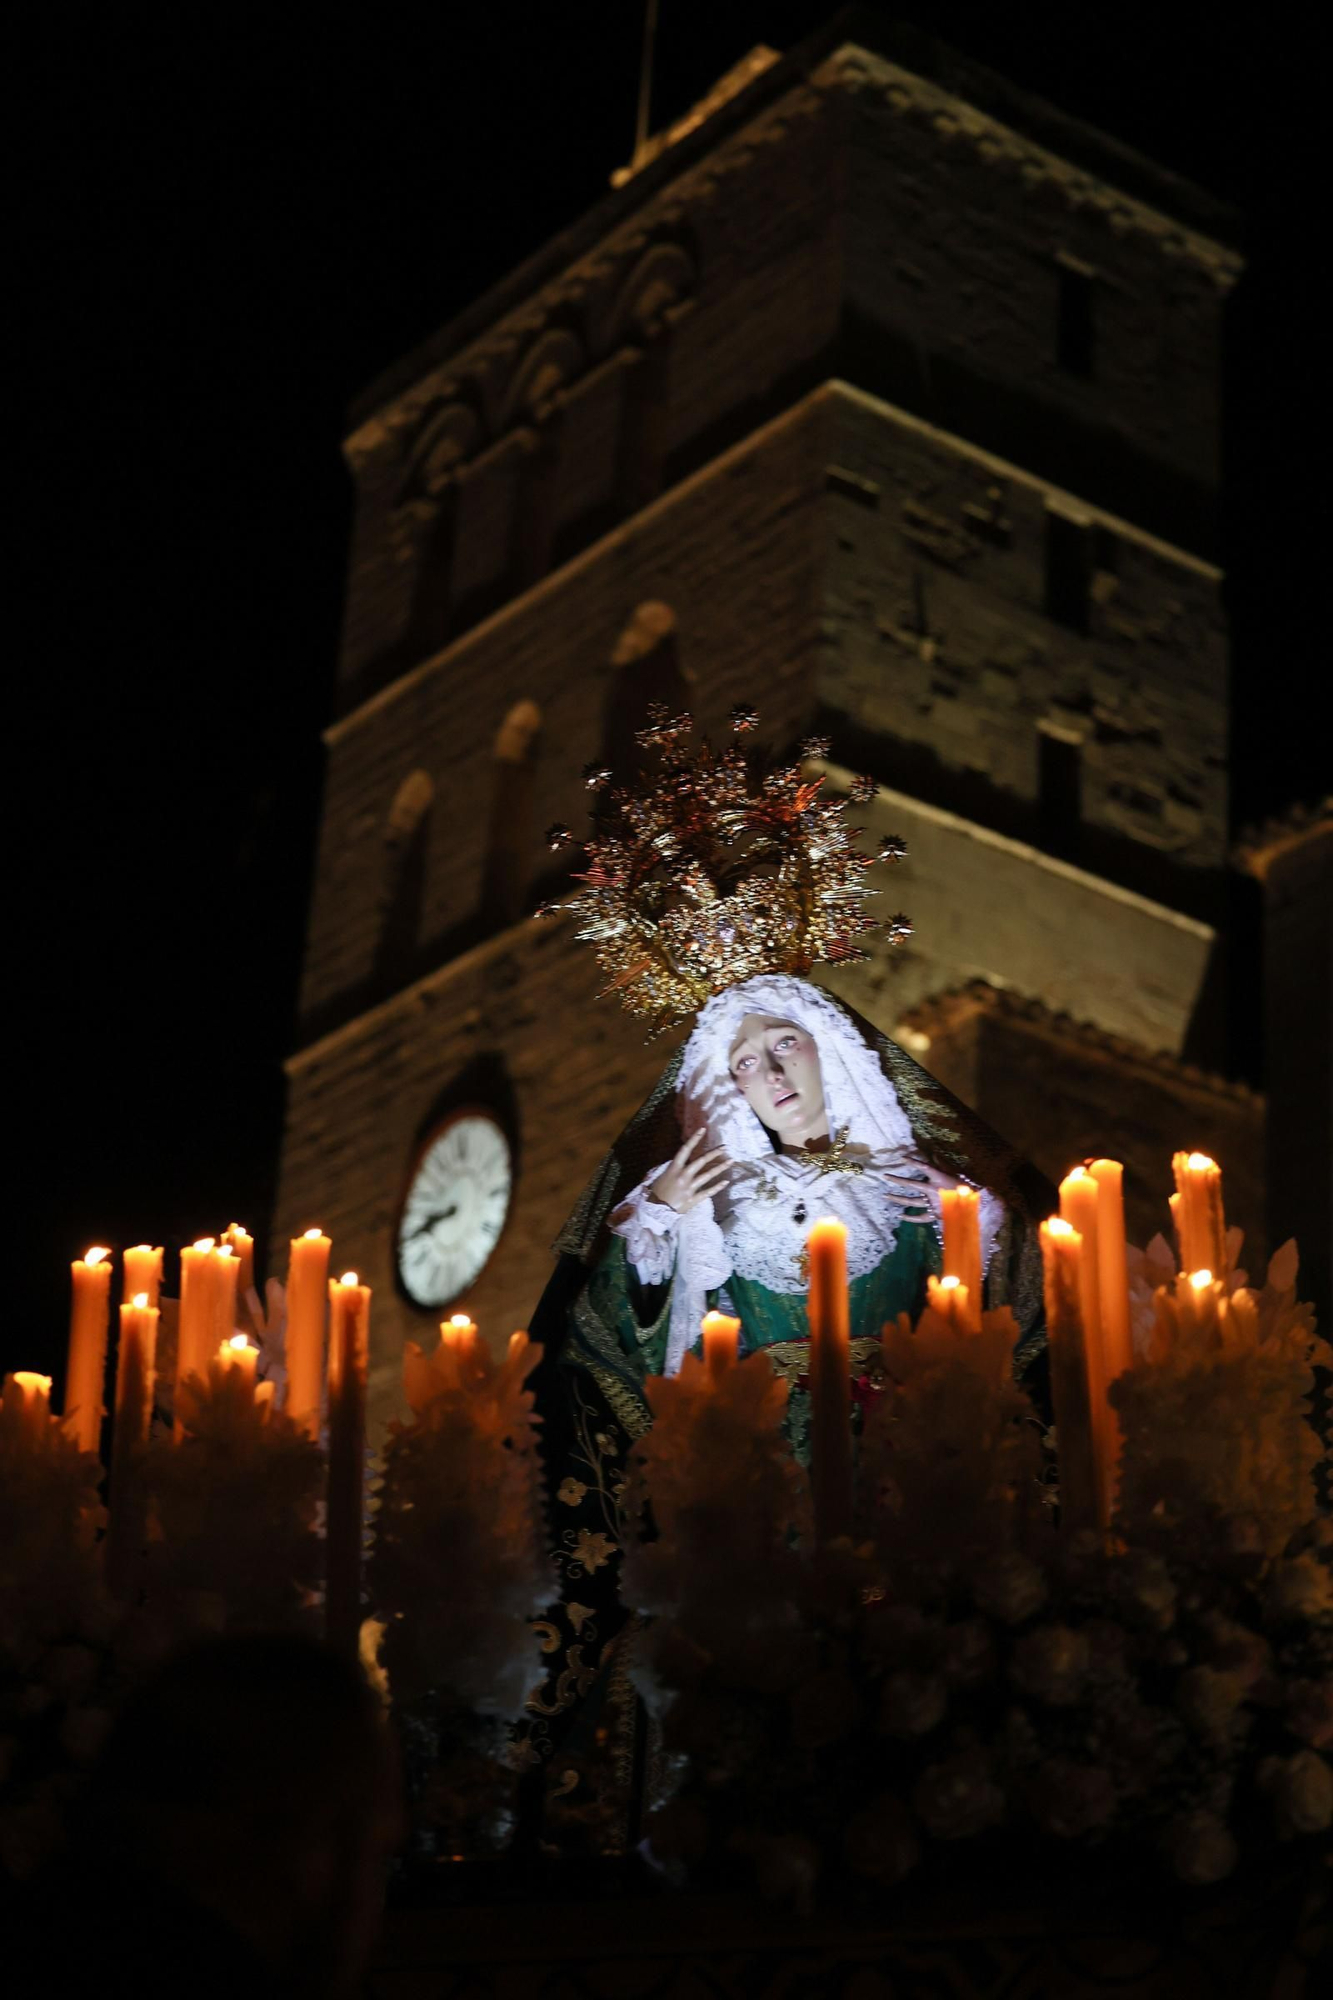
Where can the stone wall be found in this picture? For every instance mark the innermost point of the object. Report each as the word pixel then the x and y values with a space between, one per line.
pixel 858 222
pixel 969 608
pixel 985 907
pixel 794 564
pixel 1022 301
pixel 1061 1092
pixel 732 552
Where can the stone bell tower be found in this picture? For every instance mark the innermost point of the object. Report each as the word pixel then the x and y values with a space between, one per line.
pixel 884 398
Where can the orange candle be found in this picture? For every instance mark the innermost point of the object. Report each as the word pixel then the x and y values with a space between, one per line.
pixel 127 1523
pixel 27 1400
pixel 242 1246
pixel 307 1297
pixel 1204 1299
pixel 960 1210
pixel 349 1364
pixel 136 1353
pixel 1197 1209
pixel 89 1318
pixel 226 1270
pixel 722 1342
pixel 1079 1199
pixel 141 1271
pixel 1061 1248
pixel 829 1313
pixel 237 1361
pixel 948 1297
pixel 1113 1286
pixel 264 1398
pixel 196 1331
pixel 460 1332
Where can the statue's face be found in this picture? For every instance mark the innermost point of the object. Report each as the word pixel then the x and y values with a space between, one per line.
pixel 776 1067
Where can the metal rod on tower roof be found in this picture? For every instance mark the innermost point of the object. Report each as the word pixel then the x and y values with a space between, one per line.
pixel 645 80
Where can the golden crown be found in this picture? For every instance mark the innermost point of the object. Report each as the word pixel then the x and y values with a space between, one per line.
pixel 711 871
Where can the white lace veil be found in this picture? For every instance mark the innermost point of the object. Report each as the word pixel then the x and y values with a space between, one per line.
pixel 857 1096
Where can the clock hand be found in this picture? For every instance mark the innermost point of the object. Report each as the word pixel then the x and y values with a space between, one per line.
pixel 443 1215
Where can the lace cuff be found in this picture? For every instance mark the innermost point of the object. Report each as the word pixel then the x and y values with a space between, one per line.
pixel 663 1245
pixel 990 1215
pixel 651 1231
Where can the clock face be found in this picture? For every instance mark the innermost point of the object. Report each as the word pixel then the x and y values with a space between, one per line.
pixel 455 1209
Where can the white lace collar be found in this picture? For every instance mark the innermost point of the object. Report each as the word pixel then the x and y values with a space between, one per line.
pixel 765 1232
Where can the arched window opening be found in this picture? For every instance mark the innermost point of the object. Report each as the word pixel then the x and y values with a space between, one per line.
pixel 448 443
pixel 641 450
pixel 536 402
pixel 403 883
pixel 431 619
pixel 645 669
pixel 656 293
pixel 510 844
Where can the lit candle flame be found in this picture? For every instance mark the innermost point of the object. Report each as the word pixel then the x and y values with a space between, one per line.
pixel 238 1342
pixel 349 1278
pixel 24 1378
pixel 140 1300
pixel 459 1319
pixel 1079 1173
pixel 141 1250
pixel 1059 1227
pixel 313 1235
pixel 1199 1163
pixel 1201 1280
pixel 950 1284
pixel 203 1243
pixel 224 1250
pixel 95 1255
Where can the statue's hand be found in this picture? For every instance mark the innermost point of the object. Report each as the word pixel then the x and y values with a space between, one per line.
pixel 692 1176
pixel 913 1180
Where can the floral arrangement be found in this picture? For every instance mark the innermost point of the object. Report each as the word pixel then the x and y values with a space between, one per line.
pixel 233 1511
pixel 228 1542
pixel 961 1674
pixel 457 1577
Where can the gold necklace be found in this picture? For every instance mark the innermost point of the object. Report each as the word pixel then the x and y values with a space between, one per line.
pixel 836 1160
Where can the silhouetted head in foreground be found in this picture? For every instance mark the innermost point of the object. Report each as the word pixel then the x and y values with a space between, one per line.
pixel 252 1785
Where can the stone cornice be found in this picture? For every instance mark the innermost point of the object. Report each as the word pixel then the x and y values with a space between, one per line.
pixel 861 73
pixel 575 287
pixel 943 1011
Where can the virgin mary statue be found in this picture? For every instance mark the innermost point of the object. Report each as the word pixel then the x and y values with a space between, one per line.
pixel 715 887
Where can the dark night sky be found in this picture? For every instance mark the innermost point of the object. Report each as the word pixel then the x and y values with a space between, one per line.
pixel 224 222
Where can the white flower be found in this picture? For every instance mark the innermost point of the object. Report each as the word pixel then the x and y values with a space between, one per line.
pixel 70 1671
pixel 1299 1589
pixel 1208 1698
pixel 1051 1663
pixel 958 1797
pixel 1010 1588
pixel 912 1703
pixel 83 1732
pixel 1142 1586
pixel 1069 1799
pixel 824 1709
pixel 881 1840
pixel 786 1867
pixel 1199 1847
pixel 1301 1789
